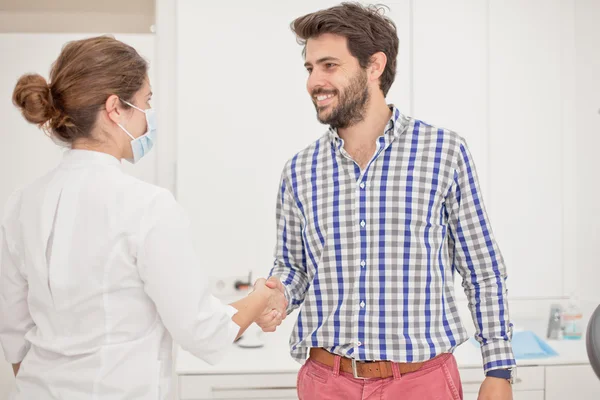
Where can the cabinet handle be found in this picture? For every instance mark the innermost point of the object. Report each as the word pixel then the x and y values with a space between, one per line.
pixel 517 381
pixel 230 389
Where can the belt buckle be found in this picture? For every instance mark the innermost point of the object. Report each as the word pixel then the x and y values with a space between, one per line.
pixel 355 371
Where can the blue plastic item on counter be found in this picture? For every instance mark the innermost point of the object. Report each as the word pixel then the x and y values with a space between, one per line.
pixel 527 345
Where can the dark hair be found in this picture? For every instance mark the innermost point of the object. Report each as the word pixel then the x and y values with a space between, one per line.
pixel 85 74
pixel 366 28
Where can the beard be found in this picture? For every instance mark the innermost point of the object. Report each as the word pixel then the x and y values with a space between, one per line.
pixel 352 103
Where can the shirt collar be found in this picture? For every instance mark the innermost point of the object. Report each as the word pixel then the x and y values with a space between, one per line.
pixel 84 157
pixel 394 128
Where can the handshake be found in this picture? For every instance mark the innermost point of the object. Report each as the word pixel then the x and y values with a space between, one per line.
pixel 276 309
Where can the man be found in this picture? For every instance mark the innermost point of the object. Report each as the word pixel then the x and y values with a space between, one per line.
pixel 373 219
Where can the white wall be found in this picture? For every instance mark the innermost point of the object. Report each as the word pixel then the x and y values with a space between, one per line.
pixel 242 111
pixel 25 153
pixel 499 73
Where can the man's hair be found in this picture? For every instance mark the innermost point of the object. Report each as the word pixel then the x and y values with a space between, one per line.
pixel 366 29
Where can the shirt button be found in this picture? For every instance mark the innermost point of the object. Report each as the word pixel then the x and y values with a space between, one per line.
pixel 362 185
pixel 363 223
pixel 362 304
pixel 363 263
pixel 358 343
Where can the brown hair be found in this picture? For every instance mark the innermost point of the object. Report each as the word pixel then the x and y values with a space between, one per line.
pixel 366 28
pixel 85 74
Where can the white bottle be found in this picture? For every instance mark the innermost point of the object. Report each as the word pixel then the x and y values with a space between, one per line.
pixel 572 320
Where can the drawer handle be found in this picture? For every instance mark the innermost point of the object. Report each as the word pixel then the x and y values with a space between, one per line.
pixel 230 389
pixel 517 381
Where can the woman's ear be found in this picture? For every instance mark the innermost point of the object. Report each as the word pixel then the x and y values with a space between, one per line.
pixel 114 109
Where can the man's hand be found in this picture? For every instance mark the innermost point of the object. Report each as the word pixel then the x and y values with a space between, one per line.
pixel 495 389
pixel 275 312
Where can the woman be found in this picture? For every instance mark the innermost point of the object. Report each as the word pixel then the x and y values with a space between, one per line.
pixel 98 272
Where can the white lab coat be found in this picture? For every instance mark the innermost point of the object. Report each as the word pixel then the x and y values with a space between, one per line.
pixel 97 273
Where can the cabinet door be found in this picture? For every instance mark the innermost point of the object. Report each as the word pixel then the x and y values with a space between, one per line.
pixel 572 382
pixel 587 38
pixel 450 76
pixel 450 71
pixel 526 54
pixel 498 74
pixel 529 379
pixel 517 395
pixel 230 387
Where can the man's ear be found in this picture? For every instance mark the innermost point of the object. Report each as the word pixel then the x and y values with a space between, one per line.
pixel 377 65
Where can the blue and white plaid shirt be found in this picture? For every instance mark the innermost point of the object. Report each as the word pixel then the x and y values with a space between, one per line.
pixel 370 255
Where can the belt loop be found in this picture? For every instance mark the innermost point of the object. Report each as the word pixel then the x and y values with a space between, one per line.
pixel 336 365
pixel 396 370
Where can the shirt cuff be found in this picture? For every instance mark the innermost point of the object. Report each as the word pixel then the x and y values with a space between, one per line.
pixel 229 334
pixel 497 354
pixel 18 354
pixel 233 328
pixel 288 297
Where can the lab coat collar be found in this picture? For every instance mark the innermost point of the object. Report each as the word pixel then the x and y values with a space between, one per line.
pixel 86 157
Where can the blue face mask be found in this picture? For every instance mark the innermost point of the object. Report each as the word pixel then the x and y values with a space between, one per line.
pixel 141 146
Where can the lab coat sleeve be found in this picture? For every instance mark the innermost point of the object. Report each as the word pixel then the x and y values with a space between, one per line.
pixel 478 259
pixel 175 280
pixel 290 257
pixel 15 319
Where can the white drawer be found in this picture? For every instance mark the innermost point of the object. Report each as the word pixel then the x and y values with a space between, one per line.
pixel 227 387
pixel 517 395
pixel 530 381
pixel 528 378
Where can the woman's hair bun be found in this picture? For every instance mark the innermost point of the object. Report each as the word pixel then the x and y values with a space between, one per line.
pixel 33 96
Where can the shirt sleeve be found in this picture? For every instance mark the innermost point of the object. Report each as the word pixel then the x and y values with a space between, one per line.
pixel 175 280
pixel 290 259
pixel 15 319
pixel 478 260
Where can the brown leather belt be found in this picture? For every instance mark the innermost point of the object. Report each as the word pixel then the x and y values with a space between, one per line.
pixel 363 369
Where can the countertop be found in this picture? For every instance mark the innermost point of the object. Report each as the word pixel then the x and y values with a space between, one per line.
pixel 274 357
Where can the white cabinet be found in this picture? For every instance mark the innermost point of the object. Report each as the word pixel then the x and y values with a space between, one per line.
pixel 572 382
pixel 450 76
pixel 588 143
pixel 532 383
pixel 529 395
pixel 500 74
pixel 524 395
pixel 449 64
pixel 243 386
pixel 527 98
pixel 529 384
